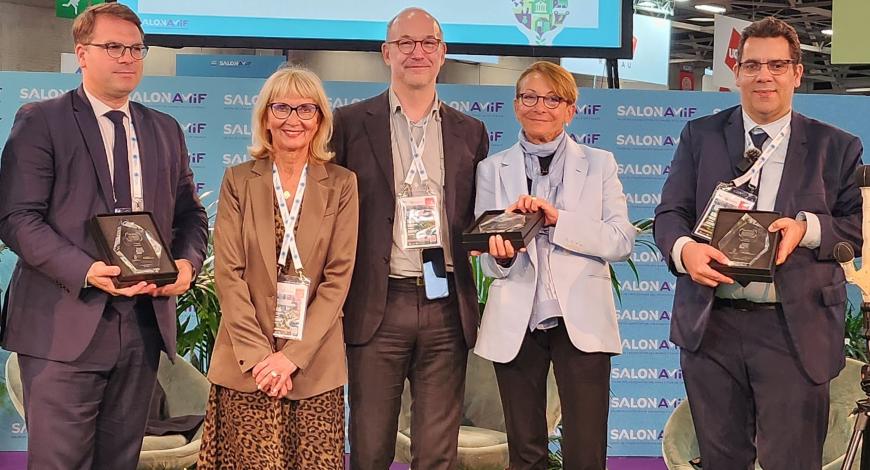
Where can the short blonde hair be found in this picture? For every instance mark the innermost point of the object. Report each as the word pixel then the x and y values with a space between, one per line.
pixel 561 79
pixel 292 81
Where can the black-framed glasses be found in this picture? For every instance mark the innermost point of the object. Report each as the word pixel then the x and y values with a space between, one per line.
pixel 752 68
pixel 407 45
pixel 305 111
pixel 116 50
pixel 531 100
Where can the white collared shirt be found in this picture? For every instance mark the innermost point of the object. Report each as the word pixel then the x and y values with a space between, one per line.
pixel 107 131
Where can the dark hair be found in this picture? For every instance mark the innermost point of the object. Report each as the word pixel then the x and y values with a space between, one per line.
pixel 771 27
pixel 83 26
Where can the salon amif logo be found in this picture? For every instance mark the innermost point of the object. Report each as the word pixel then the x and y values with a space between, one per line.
pixel 541 20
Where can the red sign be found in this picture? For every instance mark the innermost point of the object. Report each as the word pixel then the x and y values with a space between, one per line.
pixel 687 80
pixel 731 53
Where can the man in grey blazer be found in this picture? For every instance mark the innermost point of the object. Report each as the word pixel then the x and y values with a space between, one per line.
pixel 393 331
pixel 89 351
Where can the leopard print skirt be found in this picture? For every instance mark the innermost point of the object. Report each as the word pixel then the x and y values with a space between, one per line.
pixel 253 430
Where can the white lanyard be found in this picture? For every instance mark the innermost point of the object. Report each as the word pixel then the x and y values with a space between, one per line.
pixel 417 149
pixel 754 172
pixel 289 216
pixel 136 172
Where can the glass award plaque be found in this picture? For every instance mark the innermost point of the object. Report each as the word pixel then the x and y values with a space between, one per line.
pixel 132 242
pixel 517 227
pixel 744 238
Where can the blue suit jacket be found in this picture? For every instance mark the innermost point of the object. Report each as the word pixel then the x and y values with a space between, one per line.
pixel 818 177
pixel 54 178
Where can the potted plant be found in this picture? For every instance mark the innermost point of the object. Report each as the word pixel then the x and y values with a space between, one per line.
pixel 198 310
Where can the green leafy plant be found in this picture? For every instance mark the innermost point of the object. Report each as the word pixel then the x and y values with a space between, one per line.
pixel 856 346
pixel 554 458
pixel 198 310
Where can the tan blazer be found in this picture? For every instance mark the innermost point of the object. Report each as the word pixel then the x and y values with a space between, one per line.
pixel 246 273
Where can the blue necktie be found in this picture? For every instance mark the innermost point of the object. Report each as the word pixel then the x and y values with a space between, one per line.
pixel 758 136
pixel 121 175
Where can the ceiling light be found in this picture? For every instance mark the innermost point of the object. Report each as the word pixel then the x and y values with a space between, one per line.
pixel 828 32
pixel 858 90
pixel 702 19
pixel 711 8
pixel 646 4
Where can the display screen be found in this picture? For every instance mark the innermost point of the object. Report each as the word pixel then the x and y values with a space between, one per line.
pixel 553 28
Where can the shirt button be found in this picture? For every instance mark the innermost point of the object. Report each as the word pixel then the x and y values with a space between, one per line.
pixel 386 260
pixel 390 220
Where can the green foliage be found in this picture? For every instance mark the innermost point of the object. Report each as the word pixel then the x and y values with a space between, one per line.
pixel 554 458
pixel 856 346
pixel 198 311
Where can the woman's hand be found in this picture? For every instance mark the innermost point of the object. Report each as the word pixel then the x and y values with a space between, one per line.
pixel 526 204
pixel 273 375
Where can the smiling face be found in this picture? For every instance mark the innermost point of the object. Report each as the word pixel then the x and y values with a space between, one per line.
pixel 110 80
pixel 541 124
pixel 417 69
pixel 766 97
pixel 292 134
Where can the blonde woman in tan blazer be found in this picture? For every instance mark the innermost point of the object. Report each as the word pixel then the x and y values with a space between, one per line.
pixel 278 403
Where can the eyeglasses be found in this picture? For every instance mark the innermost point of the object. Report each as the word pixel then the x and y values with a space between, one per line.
pixel 305 111
pixel 531 100
pixel 407 46
pixel 117 50
pixel 776 67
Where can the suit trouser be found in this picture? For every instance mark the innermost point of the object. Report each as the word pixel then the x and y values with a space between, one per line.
pixel 421 340
pixel 90 413
pixel 584 386
pixel 750 396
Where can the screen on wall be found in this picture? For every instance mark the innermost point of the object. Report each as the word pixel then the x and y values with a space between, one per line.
pixel 549 28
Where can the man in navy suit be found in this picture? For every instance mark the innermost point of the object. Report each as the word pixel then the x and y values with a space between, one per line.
pixel 757 360
pixel 89 352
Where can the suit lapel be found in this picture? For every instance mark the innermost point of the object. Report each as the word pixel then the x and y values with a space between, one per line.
pixel 262 204
pixel 795 164
pixel 735 139
pixel 574 177
pixel 451 131
pixel 512 175
pixel 90 130
pixel 313 207
pixel 145 139
pixel 378 130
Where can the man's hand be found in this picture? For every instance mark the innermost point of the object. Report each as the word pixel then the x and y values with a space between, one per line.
pixel 181 284
pixel 696 259
pixel 526 204
pixel 100 276
pixel 791 233
pixel 273 375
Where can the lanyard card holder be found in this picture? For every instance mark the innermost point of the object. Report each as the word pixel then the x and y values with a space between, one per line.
pixel 420 221
pixel 292 301
pixel 725 196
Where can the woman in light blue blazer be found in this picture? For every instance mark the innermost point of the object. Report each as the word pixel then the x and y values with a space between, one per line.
pixel 552 301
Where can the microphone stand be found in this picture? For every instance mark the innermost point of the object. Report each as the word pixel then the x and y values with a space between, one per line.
pixel 844 254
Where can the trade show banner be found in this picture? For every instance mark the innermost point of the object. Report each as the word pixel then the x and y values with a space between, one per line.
pixel 642 128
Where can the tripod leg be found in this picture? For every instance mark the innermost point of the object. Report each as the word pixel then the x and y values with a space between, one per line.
pixel 865 448
pixel 855 441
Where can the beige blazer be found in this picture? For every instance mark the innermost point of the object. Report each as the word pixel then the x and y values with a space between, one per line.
pixel 246 273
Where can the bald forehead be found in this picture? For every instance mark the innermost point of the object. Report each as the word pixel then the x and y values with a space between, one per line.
pixel 413 22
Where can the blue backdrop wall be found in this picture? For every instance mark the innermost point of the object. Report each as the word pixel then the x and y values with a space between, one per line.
pixel 642 128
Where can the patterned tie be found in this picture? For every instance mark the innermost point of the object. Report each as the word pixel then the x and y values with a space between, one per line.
pixel 759 137
pixel 121 176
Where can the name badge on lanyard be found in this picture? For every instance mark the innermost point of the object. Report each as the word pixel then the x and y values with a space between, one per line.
pixel 292 292
pixel 730 196
pixel 419 209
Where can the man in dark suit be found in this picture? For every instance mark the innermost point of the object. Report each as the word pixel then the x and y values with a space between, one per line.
pixel 757 359
pixel 393 331
pixel 89 352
